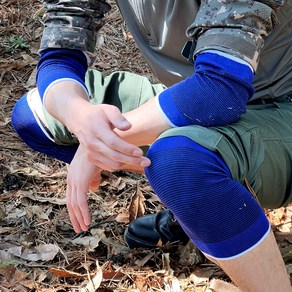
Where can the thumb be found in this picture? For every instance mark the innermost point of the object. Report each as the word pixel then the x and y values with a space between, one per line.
pixel 118 120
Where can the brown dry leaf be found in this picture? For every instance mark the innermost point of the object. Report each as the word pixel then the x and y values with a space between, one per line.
pixel 112 275
pixel 141 282
pixel 29 59
pixel 5 122
pixel 5 92
pixel 123 218
pixel 103 65
pixel 36 211
pixel 190 255
pixel 137 207
pixel 12 275
pixel 60 272
pixel 7 66
pixel 275 216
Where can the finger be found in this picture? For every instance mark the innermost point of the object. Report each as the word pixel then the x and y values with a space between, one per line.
pixel 79 207
pixel 73 219
pixel 118 120
pixel 84 219
pixel 112 160
pixel 113 141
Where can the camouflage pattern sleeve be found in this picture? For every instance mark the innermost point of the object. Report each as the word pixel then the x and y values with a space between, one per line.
pixel 73 24
pixel 234 27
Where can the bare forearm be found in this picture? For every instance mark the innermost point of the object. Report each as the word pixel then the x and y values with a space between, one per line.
pixel 64 99
pixel 147 124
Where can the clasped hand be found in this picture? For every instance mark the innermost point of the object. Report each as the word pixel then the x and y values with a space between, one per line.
pixel 100 149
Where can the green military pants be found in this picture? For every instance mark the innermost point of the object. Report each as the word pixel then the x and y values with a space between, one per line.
pixel 257 148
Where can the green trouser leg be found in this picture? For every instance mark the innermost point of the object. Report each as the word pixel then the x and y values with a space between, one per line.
pixel 257 149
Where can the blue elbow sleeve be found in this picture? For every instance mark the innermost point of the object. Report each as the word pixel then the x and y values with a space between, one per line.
pixel 215 95
pixel 55 64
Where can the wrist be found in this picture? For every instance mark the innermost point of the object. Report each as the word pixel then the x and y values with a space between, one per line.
pixel 65 101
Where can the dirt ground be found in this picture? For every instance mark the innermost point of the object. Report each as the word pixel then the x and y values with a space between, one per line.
pixel 39 250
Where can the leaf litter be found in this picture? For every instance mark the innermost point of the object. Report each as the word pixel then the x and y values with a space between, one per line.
pixel 39 250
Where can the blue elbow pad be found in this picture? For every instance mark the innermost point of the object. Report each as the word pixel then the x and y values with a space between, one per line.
pixel 55 64
pixel 215 95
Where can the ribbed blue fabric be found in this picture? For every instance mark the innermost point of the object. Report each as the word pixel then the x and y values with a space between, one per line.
pixel 215 95
pixel 28 129
pixel 218 213
pixel 55 64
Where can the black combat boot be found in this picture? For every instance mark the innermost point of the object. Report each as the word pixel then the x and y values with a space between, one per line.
pixel 154 230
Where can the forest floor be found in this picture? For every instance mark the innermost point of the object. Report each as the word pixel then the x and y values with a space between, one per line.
pixel 39 250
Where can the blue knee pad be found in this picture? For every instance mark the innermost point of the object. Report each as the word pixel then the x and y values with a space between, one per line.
pixel 218 213
pixel 30 131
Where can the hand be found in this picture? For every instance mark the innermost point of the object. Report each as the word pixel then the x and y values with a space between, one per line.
pixel 94 125
pixel 82 176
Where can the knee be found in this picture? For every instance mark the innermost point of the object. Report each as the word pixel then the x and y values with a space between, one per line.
pixel 26 125
pixel 178 163
pixel 216 211
pixel 21 117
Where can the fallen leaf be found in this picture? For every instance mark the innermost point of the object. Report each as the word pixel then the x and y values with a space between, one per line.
pixel 89 242
pixel 166 263
pixel 43 252
pixel 144 260
pixel 200 276
pixel 219 285
pixel 172 284
pixel 95 281
pixel 42 199
pixel 12 275
pixel 16 214
pixel 60 272
pixel 123 218
pixel 137 207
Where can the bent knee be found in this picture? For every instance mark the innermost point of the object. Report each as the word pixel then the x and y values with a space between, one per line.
pixel 196 185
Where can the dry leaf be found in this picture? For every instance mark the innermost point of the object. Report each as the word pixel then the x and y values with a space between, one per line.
pixel 95 281
pixel 172 284
pixel 166 263
pixel 59 272
pixel 34 197
pixel 123 218
pixel 43 252
pixel 6 229
pixel 200 276
pixel 12 275
pixel 219 285
pixel 89 242
pixel 143 261
pixel 137 208
pixel 66 274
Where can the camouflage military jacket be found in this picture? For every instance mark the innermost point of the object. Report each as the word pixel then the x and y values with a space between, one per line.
pixel 255 31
